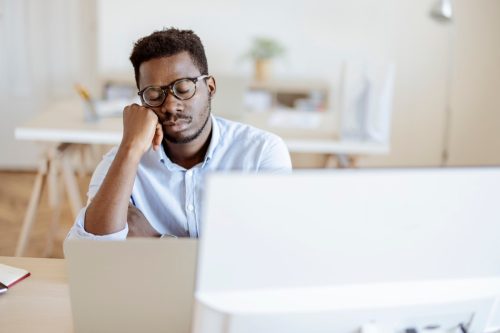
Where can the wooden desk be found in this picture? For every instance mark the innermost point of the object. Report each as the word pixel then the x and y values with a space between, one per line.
pixel 39 303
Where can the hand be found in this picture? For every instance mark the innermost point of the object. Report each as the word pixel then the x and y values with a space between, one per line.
pixel 138 225
pixel 141 129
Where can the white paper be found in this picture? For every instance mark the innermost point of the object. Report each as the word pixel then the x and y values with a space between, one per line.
pixel 9 275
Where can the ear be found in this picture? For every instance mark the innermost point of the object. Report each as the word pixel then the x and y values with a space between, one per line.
pixel 212 86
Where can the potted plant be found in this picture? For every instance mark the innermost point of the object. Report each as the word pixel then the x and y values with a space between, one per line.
pixel 262 51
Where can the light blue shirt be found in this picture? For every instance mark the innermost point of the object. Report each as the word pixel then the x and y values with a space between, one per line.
pixel 170 197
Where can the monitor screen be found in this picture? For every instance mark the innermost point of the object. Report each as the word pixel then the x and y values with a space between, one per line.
pixel 315 230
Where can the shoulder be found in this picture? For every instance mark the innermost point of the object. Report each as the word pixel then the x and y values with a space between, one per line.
pixel 251 147
pixel 236 132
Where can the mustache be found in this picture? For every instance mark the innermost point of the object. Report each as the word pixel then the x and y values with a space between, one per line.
pixel 174 117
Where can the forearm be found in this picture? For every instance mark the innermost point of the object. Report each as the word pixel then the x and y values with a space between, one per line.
pixel 107 213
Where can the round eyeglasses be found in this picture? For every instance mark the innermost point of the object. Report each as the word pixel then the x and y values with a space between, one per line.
pixel 182 89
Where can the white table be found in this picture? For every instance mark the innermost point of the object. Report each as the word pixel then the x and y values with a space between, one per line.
pixel 64 122
pixel 306 132
pixel 63 131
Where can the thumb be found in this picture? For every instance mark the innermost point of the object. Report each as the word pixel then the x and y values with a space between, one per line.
pixel 158 137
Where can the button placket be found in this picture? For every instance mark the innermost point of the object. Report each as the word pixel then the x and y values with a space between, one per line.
pixel 189 204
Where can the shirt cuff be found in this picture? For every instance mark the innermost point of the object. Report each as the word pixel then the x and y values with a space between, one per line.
pixel 78 231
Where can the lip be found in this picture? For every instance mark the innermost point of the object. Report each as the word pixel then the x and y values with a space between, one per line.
pixel 180 124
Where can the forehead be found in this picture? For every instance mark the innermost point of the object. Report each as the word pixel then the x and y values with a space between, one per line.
pixel 164 70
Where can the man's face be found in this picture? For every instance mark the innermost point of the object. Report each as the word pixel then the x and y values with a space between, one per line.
pixel 182 120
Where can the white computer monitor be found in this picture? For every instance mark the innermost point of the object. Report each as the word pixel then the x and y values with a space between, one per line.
pixel 334 250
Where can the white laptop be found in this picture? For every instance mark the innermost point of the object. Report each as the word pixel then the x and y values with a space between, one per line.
pixel 138 285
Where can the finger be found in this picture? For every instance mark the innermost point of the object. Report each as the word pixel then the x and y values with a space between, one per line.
pixel 158 137
pixel 132 107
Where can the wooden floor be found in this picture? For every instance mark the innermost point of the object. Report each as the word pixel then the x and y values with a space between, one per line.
pixel 15 190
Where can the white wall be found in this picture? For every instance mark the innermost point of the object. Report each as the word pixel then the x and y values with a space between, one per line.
pixel 314 35
pixel 317 35
pixel 57 45
pixel 45 47
pixel 475 123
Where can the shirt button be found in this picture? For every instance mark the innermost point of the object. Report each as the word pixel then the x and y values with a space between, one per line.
pixel 189 173
pixel 190 208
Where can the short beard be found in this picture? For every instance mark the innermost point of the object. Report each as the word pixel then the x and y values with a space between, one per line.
pixel 195 135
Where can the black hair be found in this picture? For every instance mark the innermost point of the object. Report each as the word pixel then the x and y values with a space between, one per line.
pixel 169 42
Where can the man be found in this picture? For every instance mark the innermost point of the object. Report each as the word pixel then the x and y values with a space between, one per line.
pixel 152 183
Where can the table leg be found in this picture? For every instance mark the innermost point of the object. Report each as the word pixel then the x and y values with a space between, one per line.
pixel 341 161
pixel 54 189
pixel 81 152
pixel 29 218
pixel 72 188
pixel 55 158
pixel 353 161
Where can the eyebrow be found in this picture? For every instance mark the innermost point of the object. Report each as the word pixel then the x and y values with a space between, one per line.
pixel 166 85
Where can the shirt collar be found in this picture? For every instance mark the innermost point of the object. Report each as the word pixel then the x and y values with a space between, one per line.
pixel 214 141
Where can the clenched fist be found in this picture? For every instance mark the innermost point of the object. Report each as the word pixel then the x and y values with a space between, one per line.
pixel 141 129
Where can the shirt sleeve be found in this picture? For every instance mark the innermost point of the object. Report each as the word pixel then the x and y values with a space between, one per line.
pixel 275 156
pixel 78 230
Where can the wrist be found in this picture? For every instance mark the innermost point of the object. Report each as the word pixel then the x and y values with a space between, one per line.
pixel 130 151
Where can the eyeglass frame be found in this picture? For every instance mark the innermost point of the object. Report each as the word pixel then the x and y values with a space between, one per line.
pixel 170 88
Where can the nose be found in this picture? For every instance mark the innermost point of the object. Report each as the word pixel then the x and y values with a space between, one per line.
pixel 171 104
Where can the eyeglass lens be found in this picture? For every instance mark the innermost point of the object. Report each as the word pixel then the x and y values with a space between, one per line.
pixel 183 89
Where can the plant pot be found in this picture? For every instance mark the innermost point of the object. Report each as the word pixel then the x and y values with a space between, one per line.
pixel 262 69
